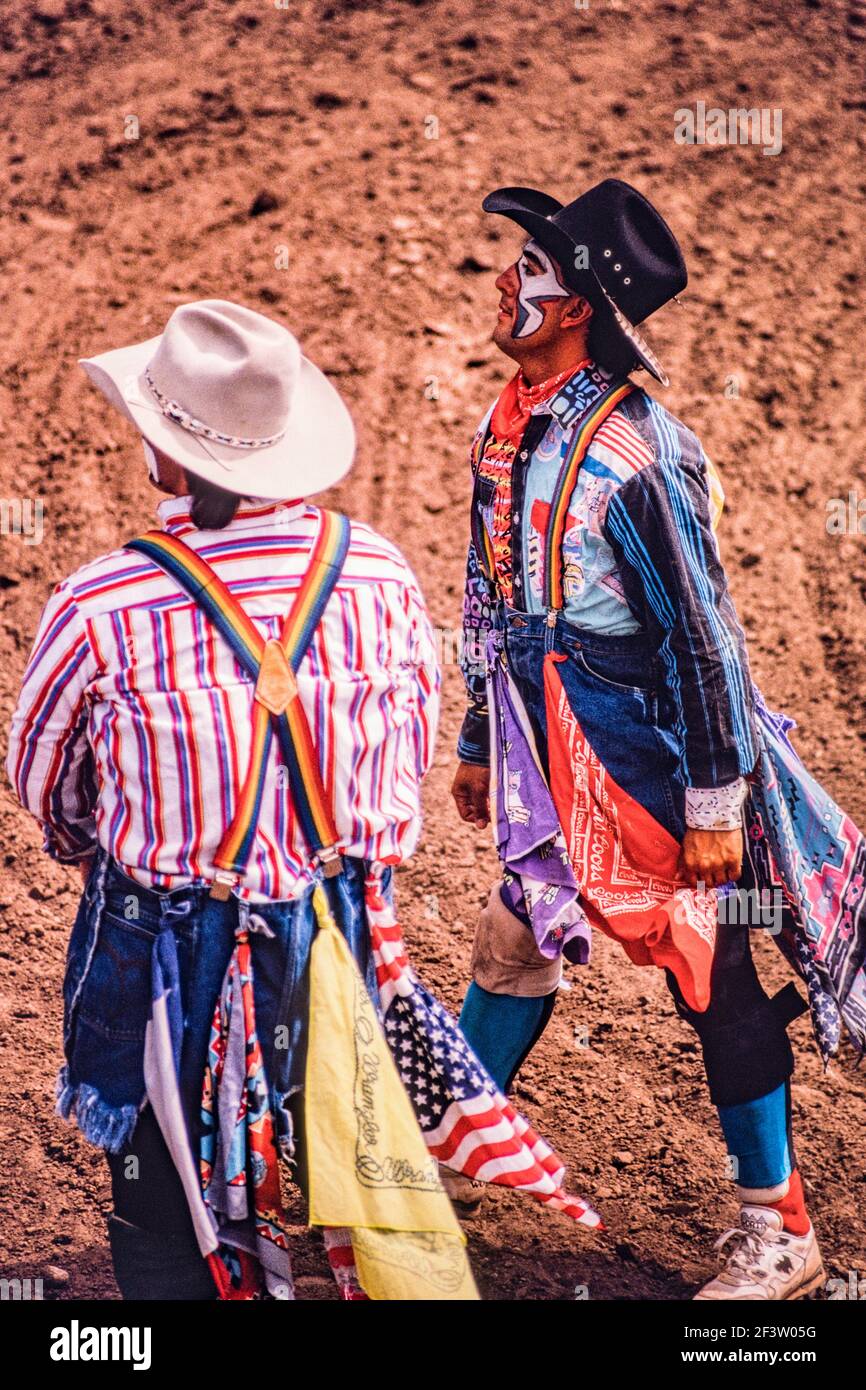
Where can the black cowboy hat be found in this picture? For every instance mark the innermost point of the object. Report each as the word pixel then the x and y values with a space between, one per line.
pixel 613 248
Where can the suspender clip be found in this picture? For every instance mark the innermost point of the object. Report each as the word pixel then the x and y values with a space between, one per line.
pixel 552 615
pixel 330 861
pixel 223 883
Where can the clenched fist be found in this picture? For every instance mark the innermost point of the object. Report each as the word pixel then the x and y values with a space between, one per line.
pixel 471 792
pixel 711 857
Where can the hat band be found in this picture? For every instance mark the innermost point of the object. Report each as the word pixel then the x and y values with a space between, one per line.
pixel 178 416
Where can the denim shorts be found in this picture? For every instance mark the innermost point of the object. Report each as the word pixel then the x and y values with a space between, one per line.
pixel 107 988
pixel 617 695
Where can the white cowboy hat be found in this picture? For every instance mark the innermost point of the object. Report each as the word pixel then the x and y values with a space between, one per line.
pixel 226 393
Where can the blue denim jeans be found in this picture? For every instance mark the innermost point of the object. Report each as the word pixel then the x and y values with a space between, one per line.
pixel 614 688
pixel 107 989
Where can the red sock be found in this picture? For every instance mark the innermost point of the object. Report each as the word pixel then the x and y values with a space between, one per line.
pixel 341 1257
pixel 792 1207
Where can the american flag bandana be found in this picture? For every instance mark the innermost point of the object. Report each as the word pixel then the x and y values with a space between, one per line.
pixel 466 1121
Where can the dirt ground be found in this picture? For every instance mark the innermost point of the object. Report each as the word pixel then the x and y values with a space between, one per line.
pixel 325 163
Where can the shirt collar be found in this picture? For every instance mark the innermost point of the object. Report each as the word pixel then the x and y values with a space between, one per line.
pixel 530 397
pixel 175 515
pixel 585 384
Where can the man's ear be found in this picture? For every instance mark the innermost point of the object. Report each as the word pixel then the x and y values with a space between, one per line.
pixel 171 476
pixel 578 312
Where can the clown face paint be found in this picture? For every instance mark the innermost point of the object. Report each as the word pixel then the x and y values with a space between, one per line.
pixel 535 287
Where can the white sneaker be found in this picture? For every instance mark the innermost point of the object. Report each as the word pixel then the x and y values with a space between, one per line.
pixel 465 1193
pixel 761 1260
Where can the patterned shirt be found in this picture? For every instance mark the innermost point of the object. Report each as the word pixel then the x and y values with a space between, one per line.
pixel 639 555
pixel 496 465
pixel 133 725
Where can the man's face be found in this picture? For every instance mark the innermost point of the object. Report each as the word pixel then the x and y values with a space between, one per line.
pixel 533 302
pixel 163 473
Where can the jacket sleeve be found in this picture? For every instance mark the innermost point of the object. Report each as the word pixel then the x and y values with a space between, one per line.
pixel 658 524
pixel 50 762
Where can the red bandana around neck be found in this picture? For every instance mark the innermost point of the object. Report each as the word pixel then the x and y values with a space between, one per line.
pixel 511 412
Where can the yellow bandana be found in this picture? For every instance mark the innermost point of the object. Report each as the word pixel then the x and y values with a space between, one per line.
pixel 369 1168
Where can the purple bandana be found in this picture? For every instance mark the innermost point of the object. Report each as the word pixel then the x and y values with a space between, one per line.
pixel 538 875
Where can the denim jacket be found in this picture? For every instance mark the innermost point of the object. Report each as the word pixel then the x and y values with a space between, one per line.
pixel 639 555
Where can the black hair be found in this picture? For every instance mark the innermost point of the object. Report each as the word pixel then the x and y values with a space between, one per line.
pixel 212 507
pixel 609 349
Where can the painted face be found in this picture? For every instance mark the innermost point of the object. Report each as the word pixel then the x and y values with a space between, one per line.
pixel 536 286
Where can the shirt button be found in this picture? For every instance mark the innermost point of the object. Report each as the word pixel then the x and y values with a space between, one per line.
pixel 517 516
pixel 524 454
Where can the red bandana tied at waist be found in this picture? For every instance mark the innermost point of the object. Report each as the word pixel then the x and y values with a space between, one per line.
pixel 624 861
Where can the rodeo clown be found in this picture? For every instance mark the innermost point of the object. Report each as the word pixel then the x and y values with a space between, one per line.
pixel 631 770
pixel 226 723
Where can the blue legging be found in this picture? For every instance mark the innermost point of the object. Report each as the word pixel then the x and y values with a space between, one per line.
pixel 758 1137
pixel 503 1028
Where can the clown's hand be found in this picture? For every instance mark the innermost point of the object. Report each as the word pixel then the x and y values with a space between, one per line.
pixel 471 792
pixel 710 857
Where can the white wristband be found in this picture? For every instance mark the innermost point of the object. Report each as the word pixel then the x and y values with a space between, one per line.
pixel 716 808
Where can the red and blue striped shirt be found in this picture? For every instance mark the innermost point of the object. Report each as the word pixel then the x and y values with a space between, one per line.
pixel 133 725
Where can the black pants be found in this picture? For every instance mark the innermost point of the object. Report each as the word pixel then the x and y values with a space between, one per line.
pixel 153 1244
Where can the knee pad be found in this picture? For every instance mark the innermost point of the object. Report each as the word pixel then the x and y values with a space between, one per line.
pixel 505 958
pixel 746 1049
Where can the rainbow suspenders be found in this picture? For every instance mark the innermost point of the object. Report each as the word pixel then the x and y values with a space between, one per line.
pixel 593 416
pixel 272 664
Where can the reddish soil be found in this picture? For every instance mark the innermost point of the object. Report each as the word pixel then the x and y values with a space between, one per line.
pixel 327 110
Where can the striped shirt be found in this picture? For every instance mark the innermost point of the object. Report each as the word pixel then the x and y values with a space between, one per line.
pixel 133 725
